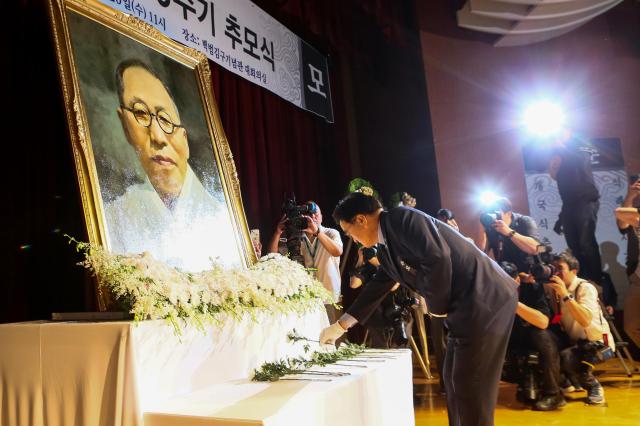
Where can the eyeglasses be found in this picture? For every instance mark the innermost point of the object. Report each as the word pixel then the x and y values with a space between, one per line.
pixel 143 116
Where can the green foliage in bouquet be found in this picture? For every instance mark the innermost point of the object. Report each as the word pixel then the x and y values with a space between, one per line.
pixel 364 186
pixel 272 371
pixel 150 289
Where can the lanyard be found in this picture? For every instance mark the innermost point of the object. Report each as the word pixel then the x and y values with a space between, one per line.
pixel 311 251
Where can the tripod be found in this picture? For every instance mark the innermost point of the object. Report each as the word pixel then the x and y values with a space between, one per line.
pixel 620 344
pixel 423 358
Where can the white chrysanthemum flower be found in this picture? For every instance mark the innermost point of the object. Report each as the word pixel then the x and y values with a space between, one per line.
pixel 157 290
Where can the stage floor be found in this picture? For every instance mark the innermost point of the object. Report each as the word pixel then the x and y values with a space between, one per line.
pixel 622 395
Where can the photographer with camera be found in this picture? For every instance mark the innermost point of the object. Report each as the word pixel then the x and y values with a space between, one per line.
pixel 315 246
pixel 509 236
pixel 628 219
pixel 531 333
pixel 581 317
pixel 570 167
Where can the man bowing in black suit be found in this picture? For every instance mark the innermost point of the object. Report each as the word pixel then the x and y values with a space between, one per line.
pixel 457 280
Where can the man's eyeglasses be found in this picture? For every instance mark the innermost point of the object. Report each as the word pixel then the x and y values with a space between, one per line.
pixel 144 117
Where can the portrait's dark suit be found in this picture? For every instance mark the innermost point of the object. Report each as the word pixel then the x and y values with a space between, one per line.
pixel 456 279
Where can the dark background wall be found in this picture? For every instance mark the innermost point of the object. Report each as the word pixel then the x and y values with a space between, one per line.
pixel 477 93
pixel 392 117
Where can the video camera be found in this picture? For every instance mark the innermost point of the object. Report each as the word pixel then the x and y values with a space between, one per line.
pixel 295 213
pixel 295 224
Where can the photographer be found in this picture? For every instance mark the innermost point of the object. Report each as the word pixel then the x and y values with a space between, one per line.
pixel 581 318
pixel 530 333
pixel 628 218
pixel 510 236
pixel 570 167
pixel 321 248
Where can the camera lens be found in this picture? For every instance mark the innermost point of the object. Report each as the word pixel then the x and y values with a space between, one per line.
pixel 488 218
pixel 300 223
pixel 543 271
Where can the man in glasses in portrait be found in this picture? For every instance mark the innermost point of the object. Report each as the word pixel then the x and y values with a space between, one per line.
pixel 170 214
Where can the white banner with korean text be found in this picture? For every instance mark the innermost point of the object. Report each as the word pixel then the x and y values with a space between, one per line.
pixel 610 178
pixel 244 39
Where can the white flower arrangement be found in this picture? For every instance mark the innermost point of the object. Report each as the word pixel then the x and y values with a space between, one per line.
pixel 150 289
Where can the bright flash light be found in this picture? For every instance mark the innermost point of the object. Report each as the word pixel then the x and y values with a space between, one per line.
pixel 487 198
pixel 544 118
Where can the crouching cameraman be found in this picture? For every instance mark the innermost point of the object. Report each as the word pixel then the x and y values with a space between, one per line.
pixel 589 338
pixel 531 334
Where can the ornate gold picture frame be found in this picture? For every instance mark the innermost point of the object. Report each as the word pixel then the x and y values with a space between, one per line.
pixel 153 164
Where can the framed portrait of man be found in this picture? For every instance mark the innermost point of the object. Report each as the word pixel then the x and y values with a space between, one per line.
pixel 153 164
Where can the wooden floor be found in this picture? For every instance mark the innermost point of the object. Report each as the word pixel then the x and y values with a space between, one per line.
pixel 621 392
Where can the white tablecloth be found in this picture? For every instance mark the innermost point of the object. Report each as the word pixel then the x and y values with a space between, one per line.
pixel 110 373
pixel 379 395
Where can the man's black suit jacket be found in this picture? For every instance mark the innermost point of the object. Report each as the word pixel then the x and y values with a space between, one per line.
pixel 454 276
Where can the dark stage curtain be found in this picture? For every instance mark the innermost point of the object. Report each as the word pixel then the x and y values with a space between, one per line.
pixel 280 148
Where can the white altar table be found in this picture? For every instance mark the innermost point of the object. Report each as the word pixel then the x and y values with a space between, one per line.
pixel 121 373
pixel 380 394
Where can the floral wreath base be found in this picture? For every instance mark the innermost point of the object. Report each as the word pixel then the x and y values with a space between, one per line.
pixel 151 289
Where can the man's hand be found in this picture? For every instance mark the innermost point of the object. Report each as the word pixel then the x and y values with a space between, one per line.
pixel 501 227
pixel 557 285
pixel 627 216
pixel 360 260
pixel 312 225
pixel 281 224
pixel 634 190
pixel 526 278
pixel 329 335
